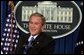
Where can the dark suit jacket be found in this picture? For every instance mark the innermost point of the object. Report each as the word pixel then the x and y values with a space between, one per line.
pixel 43 44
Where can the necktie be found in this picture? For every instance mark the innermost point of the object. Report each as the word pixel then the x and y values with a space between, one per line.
pixel 28 45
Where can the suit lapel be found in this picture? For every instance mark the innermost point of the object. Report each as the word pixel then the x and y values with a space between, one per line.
pixel 24 39
pixel 38 41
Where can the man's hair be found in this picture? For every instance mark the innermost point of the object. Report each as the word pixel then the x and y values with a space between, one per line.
pixel 39 15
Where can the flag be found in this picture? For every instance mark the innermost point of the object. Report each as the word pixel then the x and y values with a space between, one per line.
pixel 10 35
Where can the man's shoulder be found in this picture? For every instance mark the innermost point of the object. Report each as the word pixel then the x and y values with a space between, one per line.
pixel 46 34
pixel 47 37
pixel 24 36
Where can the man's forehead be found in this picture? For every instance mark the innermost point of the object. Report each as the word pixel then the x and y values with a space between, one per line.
pixel 35 18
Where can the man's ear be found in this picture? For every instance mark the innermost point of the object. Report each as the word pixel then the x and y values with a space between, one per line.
pixel 43 27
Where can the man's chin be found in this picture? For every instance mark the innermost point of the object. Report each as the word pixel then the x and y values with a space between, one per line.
pixel 33 34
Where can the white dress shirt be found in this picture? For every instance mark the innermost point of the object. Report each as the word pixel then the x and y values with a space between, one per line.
pixel 31 37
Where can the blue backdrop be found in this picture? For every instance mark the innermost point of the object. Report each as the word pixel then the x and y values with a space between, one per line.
pixel 64 45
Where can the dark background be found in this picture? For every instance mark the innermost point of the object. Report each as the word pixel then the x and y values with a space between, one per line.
pixel 64 45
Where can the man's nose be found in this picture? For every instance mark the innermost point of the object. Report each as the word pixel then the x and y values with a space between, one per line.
pixel 33 25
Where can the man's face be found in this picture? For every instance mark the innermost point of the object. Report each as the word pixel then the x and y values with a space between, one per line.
pixel 35 25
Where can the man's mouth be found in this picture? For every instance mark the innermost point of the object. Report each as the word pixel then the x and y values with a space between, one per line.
pixel 33 29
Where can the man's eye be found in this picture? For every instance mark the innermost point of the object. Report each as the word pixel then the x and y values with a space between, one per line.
pixel 31 22
pixel 36 23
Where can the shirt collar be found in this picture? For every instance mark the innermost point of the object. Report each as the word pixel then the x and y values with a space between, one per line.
pixel 32 36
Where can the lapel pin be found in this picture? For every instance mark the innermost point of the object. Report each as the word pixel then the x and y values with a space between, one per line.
pixel 37 42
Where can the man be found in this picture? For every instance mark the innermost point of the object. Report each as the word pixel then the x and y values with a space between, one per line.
pixel 41 44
